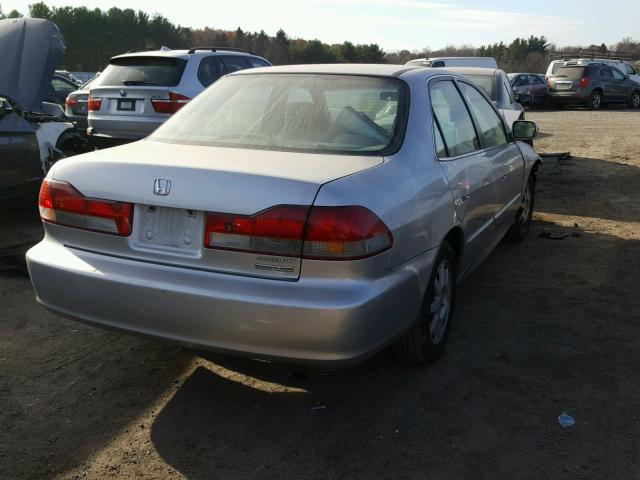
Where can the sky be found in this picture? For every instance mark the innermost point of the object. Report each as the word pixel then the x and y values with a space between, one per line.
pixel 396 24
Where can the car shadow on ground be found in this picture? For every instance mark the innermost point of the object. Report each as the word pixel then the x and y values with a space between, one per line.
pixel 531 340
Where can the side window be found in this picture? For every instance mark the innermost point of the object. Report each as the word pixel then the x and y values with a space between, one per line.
pixel 453 117
pixel 507 92
pixel 210 70
pixel 234 64
pixel 606 73
pixel 60 86
pixel 617 74
pixel 521 81
pixel 536 80
pixel 441 150
pixel 438 64
pixel 257 62
pixel 489 124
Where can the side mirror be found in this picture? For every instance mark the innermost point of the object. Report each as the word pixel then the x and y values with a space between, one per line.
pixel 524 99
pixel 524 130
pixel 626 77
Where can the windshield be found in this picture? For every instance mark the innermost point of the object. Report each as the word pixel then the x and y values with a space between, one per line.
pixel 486 83
pixel 162 71
pixel 300 112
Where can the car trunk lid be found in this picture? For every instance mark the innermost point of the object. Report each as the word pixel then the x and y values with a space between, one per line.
pixel 172 186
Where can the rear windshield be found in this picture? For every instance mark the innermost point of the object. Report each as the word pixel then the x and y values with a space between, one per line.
pixel 294 112
pixel 161 71
pixel 486 83
pixel 571 73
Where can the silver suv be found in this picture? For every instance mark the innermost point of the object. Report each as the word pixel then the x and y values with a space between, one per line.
pixel 139 91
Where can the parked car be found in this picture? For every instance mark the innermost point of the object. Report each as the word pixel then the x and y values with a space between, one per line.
pixel 68 76
pixel 77 105
pixel 60 89
pixel 592 86
pixel 282 215
pixel 532 83
pixel 140 91
pixel 624 66
pixel 84 77
pixel 446 62
pixel 33 133
pixel 496 85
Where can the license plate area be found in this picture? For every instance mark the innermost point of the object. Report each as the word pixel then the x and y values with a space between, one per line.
pixel 126 105
pixel 169 230
pixel 563 85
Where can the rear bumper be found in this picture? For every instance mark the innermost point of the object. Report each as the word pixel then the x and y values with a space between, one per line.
pixel 313 321
pixel 130 127
pixel 568 98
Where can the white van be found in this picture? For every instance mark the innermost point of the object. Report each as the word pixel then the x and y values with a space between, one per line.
pixel 442 62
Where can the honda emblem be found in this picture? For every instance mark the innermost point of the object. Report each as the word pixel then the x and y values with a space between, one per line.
pixel 161 186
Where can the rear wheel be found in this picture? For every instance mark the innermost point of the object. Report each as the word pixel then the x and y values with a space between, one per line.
pixel 520 228
pixel 635 99
pixel 595 100
pixel 427 338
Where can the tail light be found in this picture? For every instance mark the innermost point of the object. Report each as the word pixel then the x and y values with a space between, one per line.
pixel 62 204
pixel 584 82
pixel 94 103
pixel 331 233
pixel 71 101
pixel 171 105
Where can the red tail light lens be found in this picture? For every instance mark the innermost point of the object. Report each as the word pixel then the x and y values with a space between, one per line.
pixel 325 233
pixel 94 103
pixel 71 101
pixel 62 204
pixel 584 82
pixel 171 105
pixel 277 231
pixel 344 233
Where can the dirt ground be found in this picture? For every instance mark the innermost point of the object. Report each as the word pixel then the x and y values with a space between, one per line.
pixel 544 327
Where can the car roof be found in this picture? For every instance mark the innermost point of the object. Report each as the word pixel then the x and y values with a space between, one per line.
pixel 489 72
pixel 183 53
pixel 380 70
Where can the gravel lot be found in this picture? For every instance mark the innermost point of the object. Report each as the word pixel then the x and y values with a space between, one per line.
pixel 543 327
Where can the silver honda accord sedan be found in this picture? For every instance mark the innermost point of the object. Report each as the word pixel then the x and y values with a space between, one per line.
pixel 309 214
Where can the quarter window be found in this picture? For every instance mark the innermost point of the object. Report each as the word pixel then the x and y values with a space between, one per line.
pixel 441 150
pixel 489 124
pixel 234 64
pixel 453 117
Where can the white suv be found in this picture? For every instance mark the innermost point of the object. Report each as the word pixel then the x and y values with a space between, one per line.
pixel 139 91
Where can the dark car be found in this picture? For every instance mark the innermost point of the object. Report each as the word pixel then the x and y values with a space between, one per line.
pixel 531 83
pixel 60 89
pixel 593 86
pixel 20 166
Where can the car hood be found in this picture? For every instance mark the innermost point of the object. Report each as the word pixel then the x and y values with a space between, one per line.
pixel 30 50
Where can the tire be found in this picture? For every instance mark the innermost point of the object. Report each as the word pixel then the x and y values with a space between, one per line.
pixel 634 102
pixel 522 224
pixel 595 100
pixel 428 336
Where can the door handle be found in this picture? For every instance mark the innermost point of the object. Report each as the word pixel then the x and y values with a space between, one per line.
pixel 503 177
pixel 462 199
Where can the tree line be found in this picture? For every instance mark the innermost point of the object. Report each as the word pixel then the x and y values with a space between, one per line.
pixel 93 36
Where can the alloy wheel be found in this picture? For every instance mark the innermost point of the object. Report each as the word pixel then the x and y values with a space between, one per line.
pixel 441 303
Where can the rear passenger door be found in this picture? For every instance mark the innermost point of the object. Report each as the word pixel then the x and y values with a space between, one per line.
pixel 508 164
pixel 470 172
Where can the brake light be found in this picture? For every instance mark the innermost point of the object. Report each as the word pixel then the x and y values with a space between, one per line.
pixel 94 103
pixel 584 82
pixel 323 233
pixel 71 101
pixel 61 203
pixel 344 233
pixel 171 105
